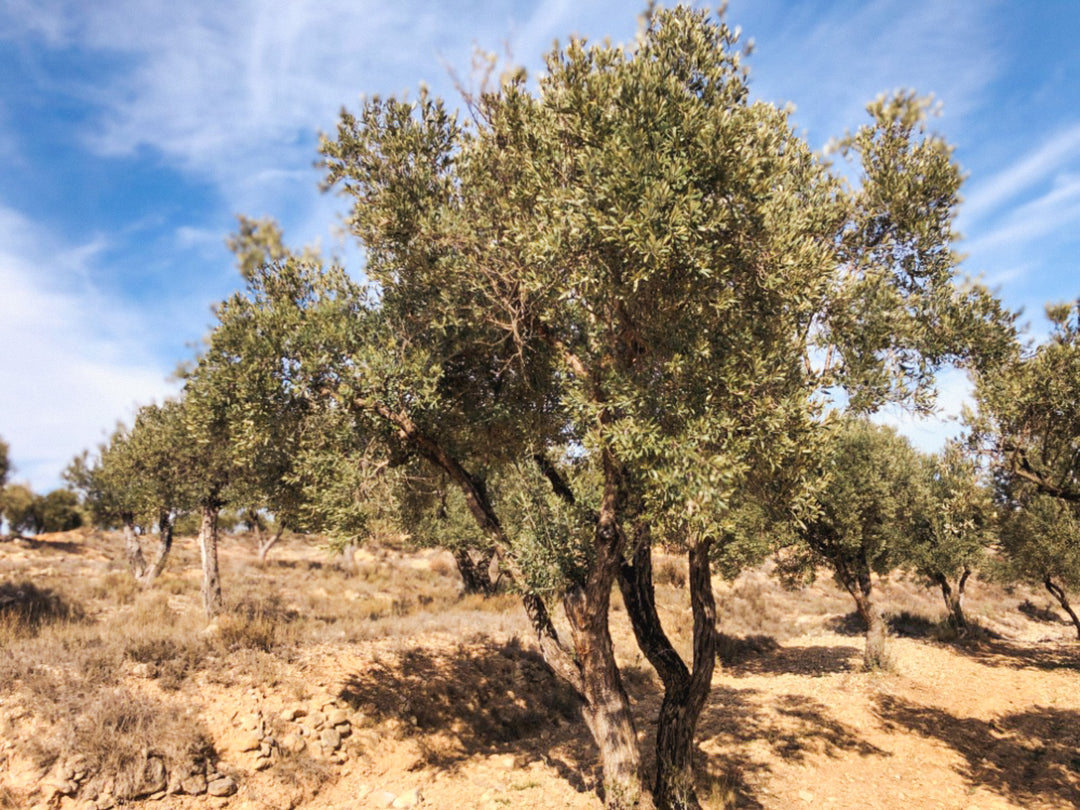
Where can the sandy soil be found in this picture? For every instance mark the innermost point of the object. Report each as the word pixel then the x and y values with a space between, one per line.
pixel 448 717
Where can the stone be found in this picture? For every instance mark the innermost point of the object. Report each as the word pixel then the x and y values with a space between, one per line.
pixel 382 798
pixel 225 786
pixel 266 747
pixel 262 763
pixel 806 796
pixel 410 798
pixel 316 720
pixel 154 777
pixel 344 729
pixel 337 716
pixel 248 742
pixel 292 713
pixel 330 739
pixel 194 785
pixel 293 743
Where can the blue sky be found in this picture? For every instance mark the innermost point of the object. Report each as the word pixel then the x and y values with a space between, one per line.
pixel 133 131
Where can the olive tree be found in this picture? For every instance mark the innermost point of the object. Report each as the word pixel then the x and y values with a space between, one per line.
pixel 1029 410
pixel 860 526
pixel 953 527
pixel 605 310
pixel 1039 544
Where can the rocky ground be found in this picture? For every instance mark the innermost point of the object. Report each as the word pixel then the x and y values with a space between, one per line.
pixel 385 688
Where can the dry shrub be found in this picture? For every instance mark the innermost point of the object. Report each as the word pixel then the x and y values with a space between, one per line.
pixel 119 587
pixel 258 624
pixel 671 572
pixel 119 733
pixel 25 608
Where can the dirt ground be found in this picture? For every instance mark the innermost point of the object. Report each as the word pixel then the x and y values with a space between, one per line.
pixel 449 706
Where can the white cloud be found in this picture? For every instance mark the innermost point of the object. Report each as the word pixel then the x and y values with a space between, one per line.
pixel 1048 214
pixel 1032 169
pixel 71 365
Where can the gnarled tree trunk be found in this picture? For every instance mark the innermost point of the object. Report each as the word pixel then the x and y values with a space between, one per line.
pixel 954 600
pixel 1059 593
pixel 876 655
pixel 132 550
pixel 685 690
pixel 208 550
pixel 475 573
pixel 165 539
pixel 266 544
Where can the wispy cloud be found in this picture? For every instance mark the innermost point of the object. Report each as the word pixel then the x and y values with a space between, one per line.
pixel 63 344
pixel 1032 169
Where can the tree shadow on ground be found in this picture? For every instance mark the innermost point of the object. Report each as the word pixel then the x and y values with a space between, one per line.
pixel 53 546
pixel 490 697
pixel 1019 655
pixel 793 727
pixel 1046 615
pixel 759 655
pixel 1026 757
pixel 25 607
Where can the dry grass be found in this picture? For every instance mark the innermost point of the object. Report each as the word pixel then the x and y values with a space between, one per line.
pixel 96 664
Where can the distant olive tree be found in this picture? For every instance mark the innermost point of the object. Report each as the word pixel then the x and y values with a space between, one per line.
pixel 862 519
pixel 21 508
pixel 953 527
pixel 1040 544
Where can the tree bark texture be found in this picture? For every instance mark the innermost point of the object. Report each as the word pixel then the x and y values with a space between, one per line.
pixel 954 600
pixel 208 550
pixel 685 690
pixel 475 573
pixel 132 550
pixel 268 543
pixel 591 670
pixel 165 539
pixel 1059 593
pixel 876 655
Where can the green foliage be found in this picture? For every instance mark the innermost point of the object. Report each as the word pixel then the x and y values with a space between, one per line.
pixel 58 511
pixel 5 462
pixel 871 490
pixel 1040 541
pixel 1029 411
pixel 955 524
pixel 21 508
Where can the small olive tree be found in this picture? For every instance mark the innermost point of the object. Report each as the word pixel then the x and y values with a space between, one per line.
pixel 953 527
pixel 872 488
pixel 1040 544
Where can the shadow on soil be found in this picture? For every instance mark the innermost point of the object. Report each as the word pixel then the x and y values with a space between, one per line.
pixel 1047 655
pixel 759 655
pixel 793 727
pixel 490 698
pixel 1027 757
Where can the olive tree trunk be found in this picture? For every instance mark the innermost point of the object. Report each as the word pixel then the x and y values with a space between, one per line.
pixel 208 550
pixel 475 572
pixel 876 654
pixel 954 600
pixel 132 550
pixel 1059 593
pixel 590 668
pixel 685 690
pixel 266 544
pixel 165 540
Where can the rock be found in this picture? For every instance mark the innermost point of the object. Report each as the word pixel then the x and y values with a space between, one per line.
pixel 410 798
pixel 248 742
pixel 337 716
pixel 292 713
pixel 344 729
pixel 316 720
pixel 154 778
pixel 262 763
pixel 225 786
pixel 194 785
pixel 266 747
pixel 105 802
pixel 806 796
pixel 66 787
pixel 330 739
pixel 382 798
pixel 293 743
